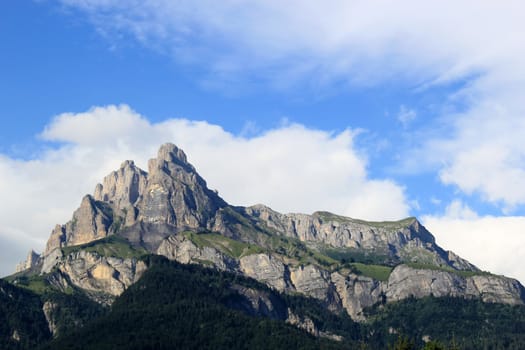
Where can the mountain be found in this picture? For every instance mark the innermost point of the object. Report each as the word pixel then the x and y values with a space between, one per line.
pixel 197 308
pixel 341 264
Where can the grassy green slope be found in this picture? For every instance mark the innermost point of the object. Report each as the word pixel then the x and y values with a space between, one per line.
pixel 111 246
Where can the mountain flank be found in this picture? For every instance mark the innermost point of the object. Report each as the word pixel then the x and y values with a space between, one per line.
pixel 346 265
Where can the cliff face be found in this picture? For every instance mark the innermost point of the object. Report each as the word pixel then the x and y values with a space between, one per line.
pixel 402 240
pixel 349 290
pixel 345 263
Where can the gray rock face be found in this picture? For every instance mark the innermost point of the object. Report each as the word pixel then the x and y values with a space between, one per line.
pixel 56 240
pixel 258 303
pixel 176 194
pixel 311 281
pixel 49 308
pixel 185 251
pixel 404 240
pixel 32 260
pixel 90 222
pixel 345 289
pixel 496 289
pixel 172 194
pixel 122 189
pixel 96 273
pixel 302 322
pixel 357 292
pixel 267 269
pixel 51 260
pixel 405 282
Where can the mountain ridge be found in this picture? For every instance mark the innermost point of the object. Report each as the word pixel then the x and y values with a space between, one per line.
pixel 347 264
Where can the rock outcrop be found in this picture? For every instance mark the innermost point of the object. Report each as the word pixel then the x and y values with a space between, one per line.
pixel 32 260
pixel 49 308
pixel 358 292
pixel 407 282
pixel 267 269
pixel 99 274
pixel 122 188
pixel 90 222
pixel 183 250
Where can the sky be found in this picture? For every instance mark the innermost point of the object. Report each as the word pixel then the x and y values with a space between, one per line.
pixel 376 110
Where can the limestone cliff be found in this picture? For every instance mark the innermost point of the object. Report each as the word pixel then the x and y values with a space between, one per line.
pixel 349 289
pixel 95 273
pixel 402 240
pixel 176 194
pixel 32 260
pixel 90 222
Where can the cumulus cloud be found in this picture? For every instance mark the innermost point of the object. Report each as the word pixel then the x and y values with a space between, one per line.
pixel 495 244
pixel 459 210
pixel 291 168
pixel 484 153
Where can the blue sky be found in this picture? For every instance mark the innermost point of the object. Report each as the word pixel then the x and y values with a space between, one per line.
pixel 411 109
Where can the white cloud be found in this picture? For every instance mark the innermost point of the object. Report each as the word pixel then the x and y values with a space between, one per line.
pixel 406 115
pixel 291 168
pixel 459 210
pixel 485 153
pixel 495 244
pixel 435 201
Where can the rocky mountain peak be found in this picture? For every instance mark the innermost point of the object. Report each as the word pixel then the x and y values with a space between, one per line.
pixel 171 153
pixel 169 157
pixel 127 164
pixel 175 193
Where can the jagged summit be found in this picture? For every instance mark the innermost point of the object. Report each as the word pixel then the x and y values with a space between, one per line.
pixel 171 153
pixel 172 193
pixel 169 156
pixel 343 262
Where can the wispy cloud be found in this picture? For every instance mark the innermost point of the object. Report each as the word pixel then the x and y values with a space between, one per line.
pixel 351 40
pixel 406 115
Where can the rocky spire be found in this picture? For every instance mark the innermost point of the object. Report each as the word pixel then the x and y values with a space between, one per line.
pixel 31 261
pixel 91 221
pixel 123 187
pixel 169 154
pixel 122 190
pixel 176 194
